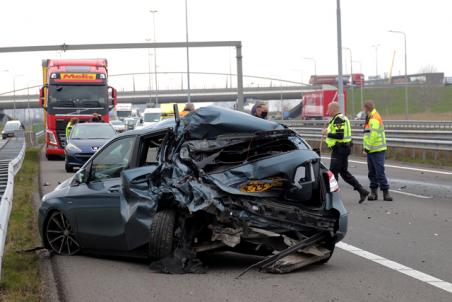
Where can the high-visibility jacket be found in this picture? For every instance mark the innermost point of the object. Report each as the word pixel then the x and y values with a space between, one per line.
pixel 68 129
pixel 374 133
pixel 338 131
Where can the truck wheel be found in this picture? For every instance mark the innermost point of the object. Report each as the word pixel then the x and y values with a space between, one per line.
pixel 162 234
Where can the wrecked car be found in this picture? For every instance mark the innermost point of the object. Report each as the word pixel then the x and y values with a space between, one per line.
pixel 215 180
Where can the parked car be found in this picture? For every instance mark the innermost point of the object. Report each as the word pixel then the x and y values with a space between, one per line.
pixel 118 125
pixel 215 180
pixel 10 129
pixel 85 139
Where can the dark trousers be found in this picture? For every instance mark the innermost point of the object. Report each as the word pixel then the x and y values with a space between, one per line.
pixel 376 166
pixel 339 165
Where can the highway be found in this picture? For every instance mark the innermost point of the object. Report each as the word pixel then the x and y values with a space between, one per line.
pixel 394 251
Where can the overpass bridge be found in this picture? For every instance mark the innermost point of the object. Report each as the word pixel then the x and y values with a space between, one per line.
pixel 178 96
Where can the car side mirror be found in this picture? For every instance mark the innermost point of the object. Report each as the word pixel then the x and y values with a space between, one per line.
pixel 79 178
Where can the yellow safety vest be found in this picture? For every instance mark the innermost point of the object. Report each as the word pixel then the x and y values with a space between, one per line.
pixel 374 133
pixel 334 126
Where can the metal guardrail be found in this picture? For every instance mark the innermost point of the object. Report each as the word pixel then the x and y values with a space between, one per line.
pixel 9 168
pixel 389 124
pixel 426 135
pixel 399 142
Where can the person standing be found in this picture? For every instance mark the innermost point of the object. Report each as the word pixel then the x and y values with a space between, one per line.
pixel 71 125
pixel 375 147
pixel 260 110
pixel 339 141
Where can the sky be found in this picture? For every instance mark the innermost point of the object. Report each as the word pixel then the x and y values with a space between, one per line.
pixel 276 37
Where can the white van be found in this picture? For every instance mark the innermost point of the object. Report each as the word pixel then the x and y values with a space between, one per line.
pixel 151 116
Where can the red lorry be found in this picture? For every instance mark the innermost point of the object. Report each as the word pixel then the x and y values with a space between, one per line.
pixel 315 103
pixel 73 89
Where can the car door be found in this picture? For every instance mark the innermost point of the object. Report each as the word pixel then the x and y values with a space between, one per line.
pixel 97 203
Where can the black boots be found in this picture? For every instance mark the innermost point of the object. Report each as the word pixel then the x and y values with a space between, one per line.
pixel 386 196
pixel 373 195
pixel 362 194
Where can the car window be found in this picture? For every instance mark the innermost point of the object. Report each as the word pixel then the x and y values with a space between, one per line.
pixel 150 147
pixel 112 160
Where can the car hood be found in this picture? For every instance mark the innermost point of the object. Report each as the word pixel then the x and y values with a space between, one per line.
pixel 88 145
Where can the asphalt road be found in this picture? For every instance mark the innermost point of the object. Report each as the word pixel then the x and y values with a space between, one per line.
pixel 414 231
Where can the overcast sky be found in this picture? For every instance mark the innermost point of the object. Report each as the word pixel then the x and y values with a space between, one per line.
pixel 276 35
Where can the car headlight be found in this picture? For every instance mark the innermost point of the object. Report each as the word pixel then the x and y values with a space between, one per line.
pixel 72 148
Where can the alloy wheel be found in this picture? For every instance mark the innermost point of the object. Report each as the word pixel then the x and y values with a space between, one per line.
pixel 60 235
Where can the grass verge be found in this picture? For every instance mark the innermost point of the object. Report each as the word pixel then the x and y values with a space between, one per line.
pixel 20 277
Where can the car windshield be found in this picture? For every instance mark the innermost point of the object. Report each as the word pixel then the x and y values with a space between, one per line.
pixel 11 126
pixel 92 131
pixel 77 96
pixel 117 123
pixel 131 122
pixel 151 117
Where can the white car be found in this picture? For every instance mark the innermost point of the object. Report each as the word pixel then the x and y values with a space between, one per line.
pixel 118 125
pixel 10 129
pixel 151 116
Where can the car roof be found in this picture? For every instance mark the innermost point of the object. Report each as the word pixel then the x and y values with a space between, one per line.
pixel 13 122
pixel 91 124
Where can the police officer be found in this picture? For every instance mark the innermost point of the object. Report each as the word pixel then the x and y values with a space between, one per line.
pixel 375 147
pixel 339 139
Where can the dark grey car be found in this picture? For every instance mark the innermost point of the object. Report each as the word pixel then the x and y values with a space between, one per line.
pixel 218 180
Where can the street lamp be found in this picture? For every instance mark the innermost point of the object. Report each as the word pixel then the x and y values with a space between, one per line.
pixel 340 84
pixel 149 72
pixel 14 93
pixel 315 64
pixel 376 59
pixel 153 12
pixel 188 53
pixel 351 79
pixel 406 69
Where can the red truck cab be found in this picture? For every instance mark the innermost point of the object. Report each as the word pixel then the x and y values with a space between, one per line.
pixel 73 89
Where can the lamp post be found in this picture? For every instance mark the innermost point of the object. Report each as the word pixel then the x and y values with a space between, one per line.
pixel 315 64
pixel 340 83
pixel 188 54
pixel 149 72
pixel 376 59
pixel 406 69
pixel 153 12
pixel 351 79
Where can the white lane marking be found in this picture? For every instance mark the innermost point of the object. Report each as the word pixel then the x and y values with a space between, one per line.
pixel 411 194
pixel 397 267
pixel 400 167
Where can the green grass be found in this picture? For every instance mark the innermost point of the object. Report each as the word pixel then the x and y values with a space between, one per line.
pixel 391 100
pixel 20 277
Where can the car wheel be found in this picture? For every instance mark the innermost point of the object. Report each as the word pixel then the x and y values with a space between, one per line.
pixel 69 169
pixel 50 157
pixel 60 236
pixel 162 234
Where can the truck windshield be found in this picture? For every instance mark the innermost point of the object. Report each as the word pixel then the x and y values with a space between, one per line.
pixel 77 96
pixel 120 113
pixel 151 117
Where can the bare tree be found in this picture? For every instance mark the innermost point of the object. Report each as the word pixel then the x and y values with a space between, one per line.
pixel 429 68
